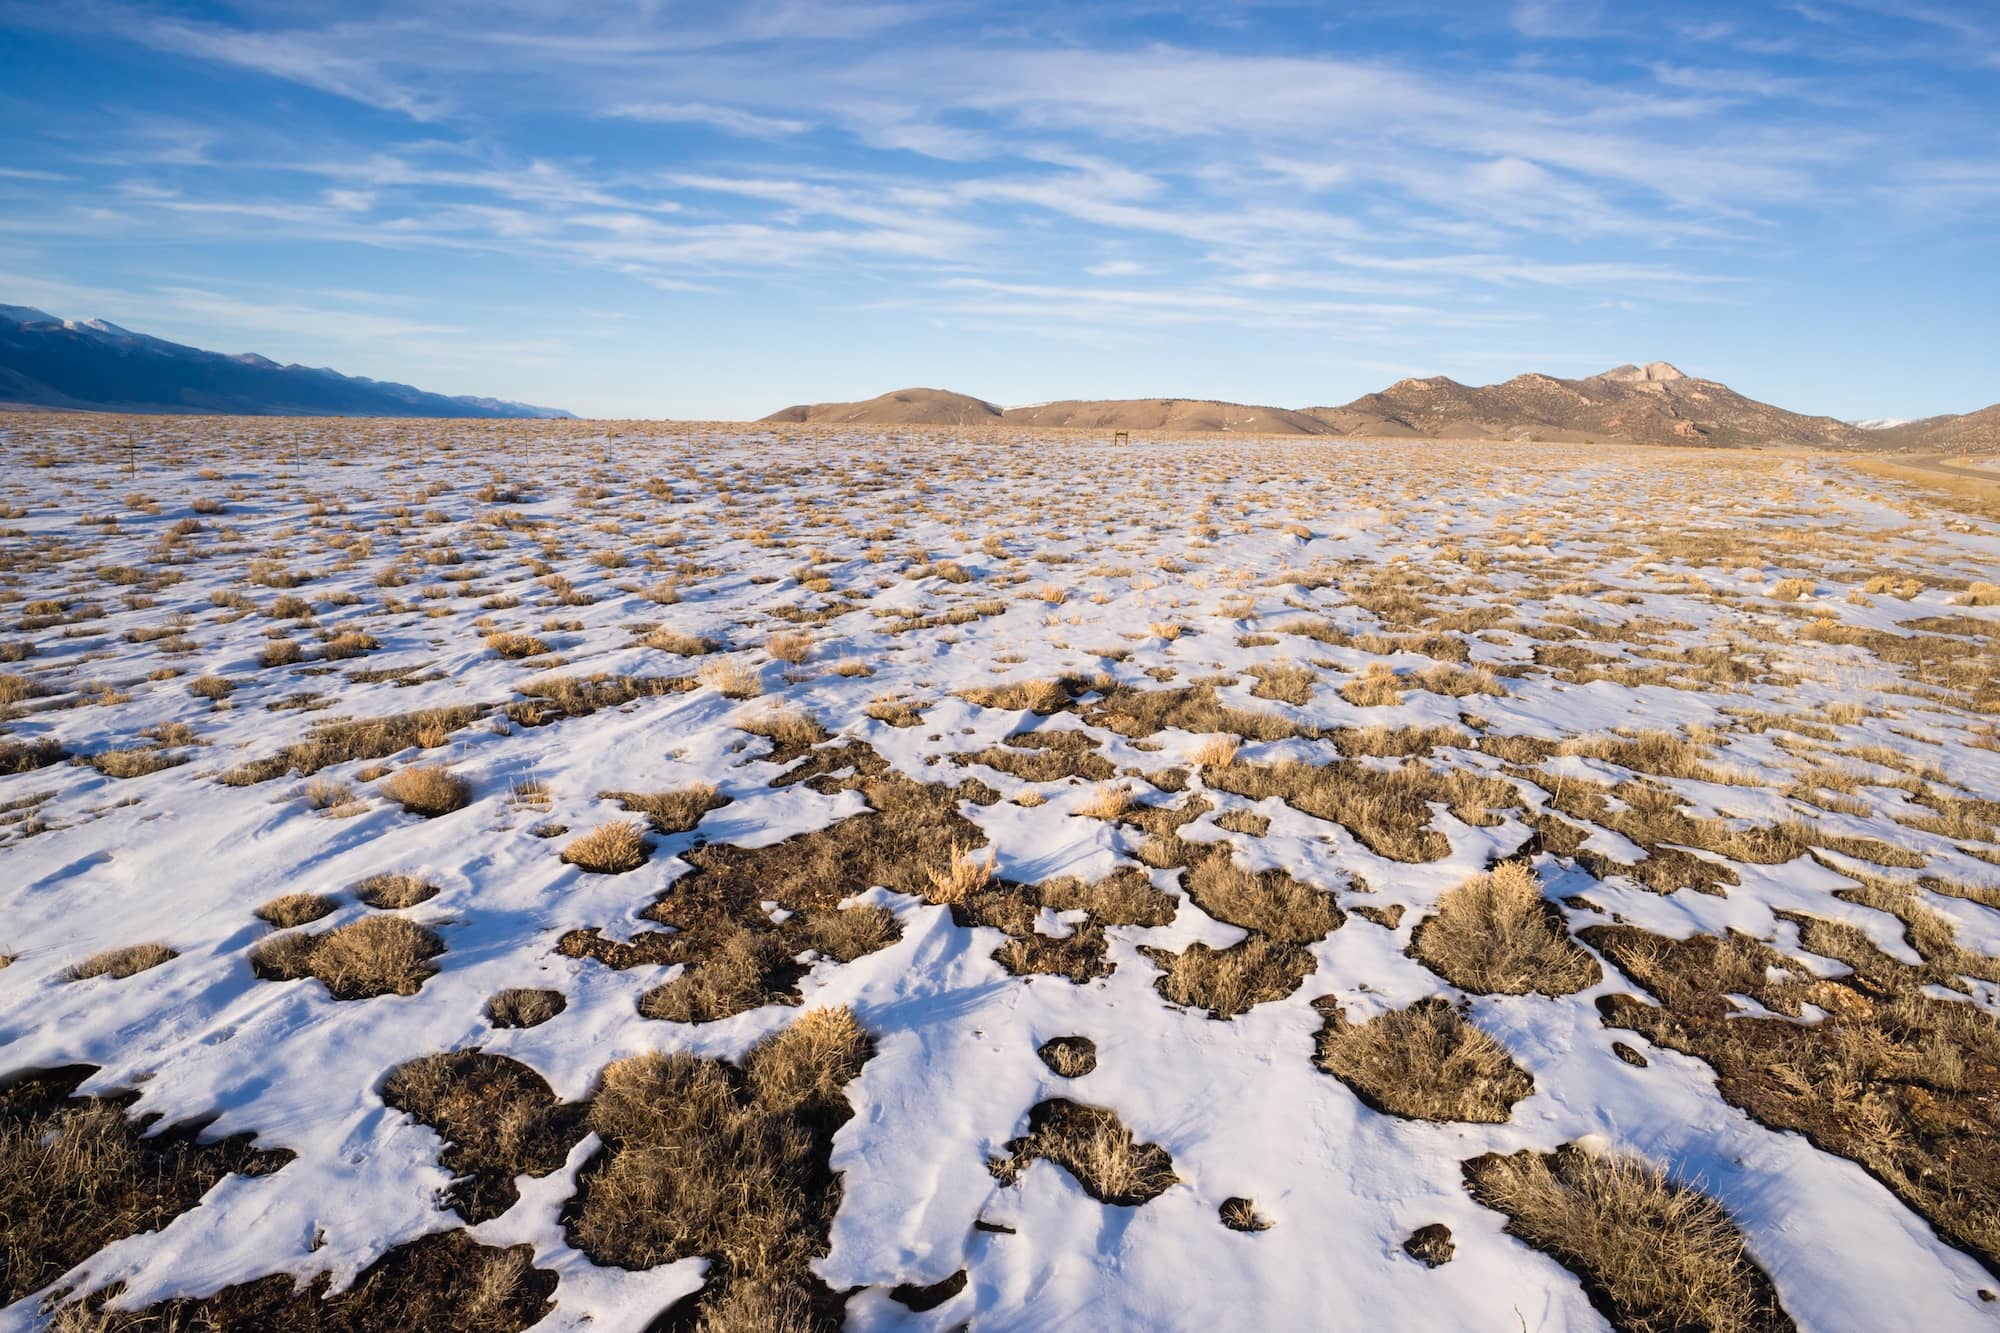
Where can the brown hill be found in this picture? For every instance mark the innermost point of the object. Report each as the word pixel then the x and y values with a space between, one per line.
pixel 904 407
pixel 1201 415
pixel 1976 431
pixel 1650 404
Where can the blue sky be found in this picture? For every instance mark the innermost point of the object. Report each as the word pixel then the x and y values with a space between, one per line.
pixel 718 209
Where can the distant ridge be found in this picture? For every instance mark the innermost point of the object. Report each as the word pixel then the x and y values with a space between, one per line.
pixel 95 365
pixel 1654 403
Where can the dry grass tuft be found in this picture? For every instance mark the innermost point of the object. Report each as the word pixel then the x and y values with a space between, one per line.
pixel 1425 1062
pixel 391 892
pixel 1216 751
pixel 1269 903
pixel 960 877
pixel 429 790
pixel 1071 1057
pixel 1240 1214
pixel 295 909
pixel 1110 800
pixel 670 811
pixel 792 646
pixel 733 680
pixel 524 1007
pixel 1232 981
pixel 378 955
pixel 1655 1256
pixel 705 1159
pixel 612 848
pixel 121 962
pixel 1496 934
pixel 1094 1146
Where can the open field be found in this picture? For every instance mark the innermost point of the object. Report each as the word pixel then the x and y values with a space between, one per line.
pixel 515 873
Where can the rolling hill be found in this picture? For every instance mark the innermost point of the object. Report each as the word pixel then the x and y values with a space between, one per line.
pixel 1654 403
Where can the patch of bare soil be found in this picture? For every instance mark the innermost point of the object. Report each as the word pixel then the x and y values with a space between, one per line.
pixel 77 1173
pixel 705 1158
pixel 1899 1082
pixel 442 1281
pixel 498 1117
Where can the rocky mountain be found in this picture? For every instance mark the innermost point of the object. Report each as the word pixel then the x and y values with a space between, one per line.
pixel 96 365
pixel 1655 403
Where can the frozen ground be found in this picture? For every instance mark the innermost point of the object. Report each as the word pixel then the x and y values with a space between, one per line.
pixel 1821 657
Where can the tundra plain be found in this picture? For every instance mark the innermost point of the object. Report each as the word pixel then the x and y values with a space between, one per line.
pixel 555 874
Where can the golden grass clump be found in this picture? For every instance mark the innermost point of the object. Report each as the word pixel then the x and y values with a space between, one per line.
pixel 1270 902
pixel 960 877
pixel 703 1158
pixel 678 642
pixel 1655 1256
pixel 1218 750
pixel 1377 687
pixel 1110 800
pixel 612 848
pixel 792 646
pixel 1425 1062
pixel 377 955
pixel 1496 934
pixel 733 680
pixel 121 962
pixel 429 790
pixel 670 811
pixel 513 646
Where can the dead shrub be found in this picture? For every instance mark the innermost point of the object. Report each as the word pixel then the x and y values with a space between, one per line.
pixel 1496 934
pixel 1425 1062
pixel 1654 1255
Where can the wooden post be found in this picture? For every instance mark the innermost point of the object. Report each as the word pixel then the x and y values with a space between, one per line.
pixel 1121 437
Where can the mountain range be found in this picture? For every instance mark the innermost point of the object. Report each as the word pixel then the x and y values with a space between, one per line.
pixel 1651 404
pixel 98 366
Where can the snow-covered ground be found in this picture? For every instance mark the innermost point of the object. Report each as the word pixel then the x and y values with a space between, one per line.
pixel 1158 566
